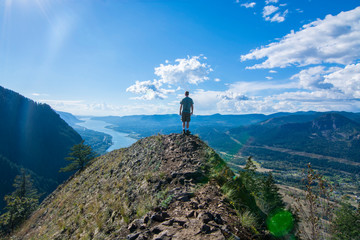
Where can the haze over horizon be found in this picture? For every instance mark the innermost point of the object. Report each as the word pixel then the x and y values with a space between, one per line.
pixel 138 57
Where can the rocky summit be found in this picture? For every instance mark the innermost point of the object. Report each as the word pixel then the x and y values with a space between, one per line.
pixel 162 187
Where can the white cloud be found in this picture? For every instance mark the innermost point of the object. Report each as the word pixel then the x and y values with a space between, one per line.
pixel 272 71
pixel 278 17
pixel 209 102
pixel 268 10
pixel 39 95
pixel 150 90
pixel 230 95
pixel 269 78
pixel 271 1
pixel 185 71
pixel 313 78
pixel 346 80
pixel 314 89
pixel 217 79
pixel 249 5
pixel 336 39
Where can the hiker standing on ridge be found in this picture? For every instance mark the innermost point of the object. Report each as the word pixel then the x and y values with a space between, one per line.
pixel 185 105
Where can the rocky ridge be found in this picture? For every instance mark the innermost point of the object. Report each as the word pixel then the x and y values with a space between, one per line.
pixel 162 187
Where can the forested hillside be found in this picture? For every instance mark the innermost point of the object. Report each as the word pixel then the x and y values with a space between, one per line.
pixel 34 137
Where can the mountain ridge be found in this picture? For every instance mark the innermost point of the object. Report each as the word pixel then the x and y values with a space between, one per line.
pixel 162 187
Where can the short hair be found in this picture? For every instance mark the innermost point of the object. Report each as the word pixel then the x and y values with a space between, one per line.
pixel 187 93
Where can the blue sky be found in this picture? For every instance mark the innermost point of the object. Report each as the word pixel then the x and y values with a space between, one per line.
pixel 124 57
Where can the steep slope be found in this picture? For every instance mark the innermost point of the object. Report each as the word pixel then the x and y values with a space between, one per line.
pixel 34 137
pixel 162 187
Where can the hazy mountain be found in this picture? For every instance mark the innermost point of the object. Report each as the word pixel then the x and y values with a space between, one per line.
pixel 34 137
pixel 69 118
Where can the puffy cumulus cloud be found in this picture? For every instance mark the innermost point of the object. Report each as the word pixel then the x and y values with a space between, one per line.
pixel 341 82
pixel 249 5
pixel 346 80
pixel 314 77
pixel 185 70
pixel 190 70
pixel 149 89
pixel 335 39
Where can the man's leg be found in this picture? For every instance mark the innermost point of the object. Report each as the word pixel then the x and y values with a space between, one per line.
pixel 187 128
pixel 183 126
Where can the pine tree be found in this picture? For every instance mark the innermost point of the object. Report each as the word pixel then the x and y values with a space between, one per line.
pixel 271 195
pixel 80 156
pixel 23 185
pixel 249 177
pixel 20 204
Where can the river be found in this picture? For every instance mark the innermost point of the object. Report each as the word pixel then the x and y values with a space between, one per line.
pixel 119 139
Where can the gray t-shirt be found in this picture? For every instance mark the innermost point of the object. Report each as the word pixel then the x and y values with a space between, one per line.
pixel 187 102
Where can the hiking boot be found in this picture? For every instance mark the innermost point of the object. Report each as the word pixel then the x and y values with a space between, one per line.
pixel 183 131
pixel 188 132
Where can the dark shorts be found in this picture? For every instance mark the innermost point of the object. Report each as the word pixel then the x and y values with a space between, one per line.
pixel 185 117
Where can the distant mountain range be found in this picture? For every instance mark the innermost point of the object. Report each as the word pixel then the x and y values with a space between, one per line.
pixel 331 137
pixel 33 137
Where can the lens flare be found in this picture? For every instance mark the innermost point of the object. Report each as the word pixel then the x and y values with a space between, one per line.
pixel 280 223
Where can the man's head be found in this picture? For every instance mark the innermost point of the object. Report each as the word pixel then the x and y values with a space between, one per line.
pixel 187 93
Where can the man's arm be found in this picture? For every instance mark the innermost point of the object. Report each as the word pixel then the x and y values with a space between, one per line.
pixel 192 109
pixel 180 109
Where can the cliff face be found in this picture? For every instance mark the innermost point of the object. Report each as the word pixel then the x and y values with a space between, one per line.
pixel 162 187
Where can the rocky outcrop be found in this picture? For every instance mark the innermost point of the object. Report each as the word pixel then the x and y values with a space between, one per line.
pixel 162 187
pixel 204 215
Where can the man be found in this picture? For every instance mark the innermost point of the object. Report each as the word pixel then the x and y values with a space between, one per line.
pixel 186 105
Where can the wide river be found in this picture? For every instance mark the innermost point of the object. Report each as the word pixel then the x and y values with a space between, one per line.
pixel 119 139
